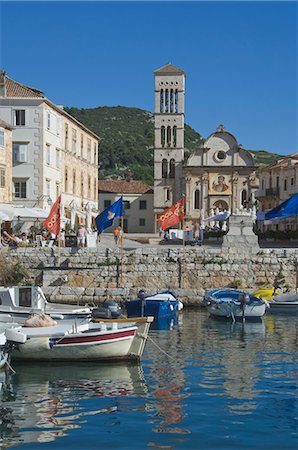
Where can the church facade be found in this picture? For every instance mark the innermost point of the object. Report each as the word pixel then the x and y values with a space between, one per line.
pixel 217 176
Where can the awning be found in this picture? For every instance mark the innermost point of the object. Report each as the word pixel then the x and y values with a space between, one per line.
pixel 218 217
pixel 15 211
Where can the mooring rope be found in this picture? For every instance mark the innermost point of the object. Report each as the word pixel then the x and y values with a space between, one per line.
pixel 159 348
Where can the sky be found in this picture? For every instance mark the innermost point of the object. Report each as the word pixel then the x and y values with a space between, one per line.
pixel 240 59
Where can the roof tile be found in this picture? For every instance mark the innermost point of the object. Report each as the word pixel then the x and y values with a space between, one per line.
pixel 124 186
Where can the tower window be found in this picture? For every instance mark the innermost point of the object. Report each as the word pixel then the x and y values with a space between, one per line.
pixel 172 168
pixel 164 168
pixel 169 136
pixel 162 101
pixel 175 136
pixel 171 101
pixel 163 136
pixel 176 100
pixel 167 100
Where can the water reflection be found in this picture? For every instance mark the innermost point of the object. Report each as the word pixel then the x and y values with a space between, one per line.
pixel 207 381
pixel 41 401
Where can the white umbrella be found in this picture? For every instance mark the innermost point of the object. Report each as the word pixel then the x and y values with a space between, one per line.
pixel 3 217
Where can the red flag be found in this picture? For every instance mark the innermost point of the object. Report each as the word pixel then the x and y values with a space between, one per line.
pixel 173 215
pixel 52 222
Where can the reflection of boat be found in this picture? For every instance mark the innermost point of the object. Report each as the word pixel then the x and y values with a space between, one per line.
pixel 87 341
pixel 234 304
pixel 281 302
pixel 23 301
pixel 159 305
pixel 4 353
pixel 43 402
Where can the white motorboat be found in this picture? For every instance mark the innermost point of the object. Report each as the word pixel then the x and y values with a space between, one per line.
pixel 234 304
pixel 280 302
pixel 84 341
pixel 20 302
pixel 4 353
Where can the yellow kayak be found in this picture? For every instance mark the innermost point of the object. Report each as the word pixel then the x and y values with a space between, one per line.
pixel 265 293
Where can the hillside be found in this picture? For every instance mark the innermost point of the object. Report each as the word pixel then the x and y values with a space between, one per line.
pixel 127 136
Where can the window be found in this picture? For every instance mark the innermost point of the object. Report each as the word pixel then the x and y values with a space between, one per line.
pixel 1 138
pixel 89 186
pixel 82 185
pixel 2 177
pixel 74 140
pixel 95 188
pixel 172 168
pixel 163 136
pixel 48 154
pixel 285 185
pixel 164 168
pixel 57 158
pixel 292 181
pixel 20 189
pixel 107 204
pixel 244 198
pixel 277 181
pixel 263 184
pixel 74 182
pixel 58 126
pixel 49 120
pixel 82 145
pixel 143 204
pixel 167 195
pixel 66 136
pixel 19 117
pixel 126 204
pixel 220 156
pixel 66 181
pixel 95 153
pixel 175 136
pixel 57 190
pixel 89 150
pixel 19 152
pixel 48 188
pixel 142 222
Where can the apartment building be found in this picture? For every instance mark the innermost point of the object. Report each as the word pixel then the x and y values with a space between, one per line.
pixel 278 182
pixel 53 153
pixel 5 162
pixel 137 202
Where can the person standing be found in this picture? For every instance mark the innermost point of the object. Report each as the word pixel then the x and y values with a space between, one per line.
pixel 81 236
pixel 116 235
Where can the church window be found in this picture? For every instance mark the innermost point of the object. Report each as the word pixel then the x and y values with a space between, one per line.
pixel 244 198
pixel 197 199
pixel 163 136
pixel 171 101
pixel 167 101
pixel 167 195
pixel 164 168
pixel 162 101
pixel 169 136
pixel 176 100
pixel 175 136
pixel 172 168
pixel 220 156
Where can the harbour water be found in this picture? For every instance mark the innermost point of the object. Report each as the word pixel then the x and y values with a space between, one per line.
pixel 203 384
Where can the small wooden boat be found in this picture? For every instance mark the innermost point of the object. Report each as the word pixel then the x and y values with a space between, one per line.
pixel 159 305
pixel 234 304
pixel 284 302
pixel 21 302
pixel 84 341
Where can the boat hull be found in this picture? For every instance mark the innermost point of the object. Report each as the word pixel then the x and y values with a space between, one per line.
pixel 232 310
pixel 87 347
pixel 161 305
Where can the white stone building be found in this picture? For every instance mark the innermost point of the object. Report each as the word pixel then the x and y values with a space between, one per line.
pixel 219 175
pixel 53 153
pixel 278 182
pixel 137 199
pixel 5 162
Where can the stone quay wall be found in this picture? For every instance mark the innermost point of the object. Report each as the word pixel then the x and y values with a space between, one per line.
pixel 94 275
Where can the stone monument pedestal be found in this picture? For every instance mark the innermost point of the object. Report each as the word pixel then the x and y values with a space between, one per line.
pixel 241 236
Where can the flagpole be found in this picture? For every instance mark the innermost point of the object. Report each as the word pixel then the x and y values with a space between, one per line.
pixel 121 250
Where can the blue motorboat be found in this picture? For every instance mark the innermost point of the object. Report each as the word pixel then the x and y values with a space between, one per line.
pixel 234 304
pixel 159 305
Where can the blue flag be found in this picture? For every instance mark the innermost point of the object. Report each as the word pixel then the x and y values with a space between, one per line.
pixel 105 218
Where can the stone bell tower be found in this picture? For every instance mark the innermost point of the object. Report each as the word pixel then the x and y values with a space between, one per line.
pixel 168 136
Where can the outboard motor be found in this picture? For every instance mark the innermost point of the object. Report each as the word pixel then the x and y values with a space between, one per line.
pixel 108 310
pixel 244 299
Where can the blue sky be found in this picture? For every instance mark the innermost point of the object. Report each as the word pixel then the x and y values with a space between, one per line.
pixel 240 59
